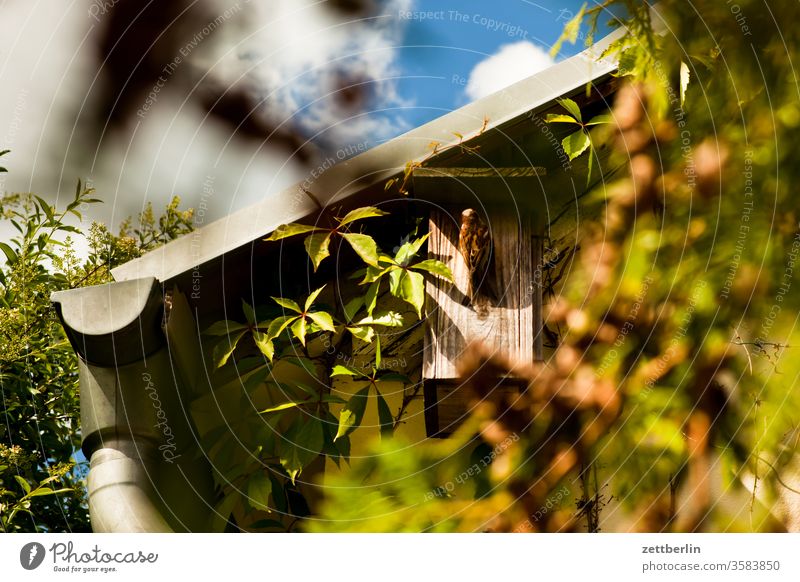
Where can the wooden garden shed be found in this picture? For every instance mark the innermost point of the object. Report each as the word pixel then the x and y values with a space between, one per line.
pixel 142 365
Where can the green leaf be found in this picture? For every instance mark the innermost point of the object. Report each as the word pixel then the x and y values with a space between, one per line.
pixel 560 118
pixel 378 352
pixel 23 483
pixel 570 32
pixel 249 314
pixel 288 304
pixel 371 297
pixel 352 307
pixel 323 320
pixel 353 412
pixel 287 230
pixel 359 213
pixel 9 253
pixel 264 344
pixel 278 494
pixel 340 370
pixel 299 329
pixel 277 325
pixel 279 407
pixel 601 119
pixel 435 267
pixel 408 286
pixel 259 488
pixel 365 334
pixel 304 364
pixel 318 247
pixel 373 274
pixel 224 349
pixel 409 250
pixel 302 444
pixel 313 297
pixel 384 416
pixel 386 319
pixel 222 512
pixel 685 77
pixel 46 208
pixel 575 144
pixel 332 399
pixel 571 107
pixel 49 491
pixel 364 246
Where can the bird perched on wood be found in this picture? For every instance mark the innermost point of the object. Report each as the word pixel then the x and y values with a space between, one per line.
pixel 475 245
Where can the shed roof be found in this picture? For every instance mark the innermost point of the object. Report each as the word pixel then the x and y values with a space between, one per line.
pixel 503 110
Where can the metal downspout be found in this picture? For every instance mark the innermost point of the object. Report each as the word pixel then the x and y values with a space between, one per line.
pixel 143 475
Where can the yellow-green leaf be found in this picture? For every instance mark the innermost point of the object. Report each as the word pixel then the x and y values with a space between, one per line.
pixel 313 297
pixel 571 107
pixel 408 286
pixel 279 407
pixel 224 348
pixel 277 325
pixel 387 319
pixel 560 118
pixel 575 144
pixel 435 267
pixel 601 119
pixel 317 246
pixel 409 250
pixel 264 344
pixel 323 320
pixel 339 370
pixel 287 230
pixel 371 298
pixel 353 412
pixel 365 334
pixel 364 246
pixel 360 213
pixel 299 328
pixel 288 304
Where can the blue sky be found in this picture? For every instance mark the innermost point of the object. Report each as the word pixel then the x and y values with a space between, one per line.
pixel 422 58
pixel 439 54
pixel 443 41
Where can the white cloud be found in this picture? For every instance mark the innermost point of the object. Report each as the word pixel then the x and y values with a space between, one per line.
pixel 299 52
pixel 285 48
pixel 512 63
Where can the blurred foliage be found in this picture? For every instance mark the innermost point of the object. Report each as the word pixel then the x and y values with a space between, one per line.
pixel 42 485
pixel 678 318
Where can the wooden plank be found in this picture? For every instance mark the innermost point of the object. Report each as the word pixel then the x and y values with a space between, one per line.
pixel 538 300
pixel 451 325
pixel 505 188
pixel 446 407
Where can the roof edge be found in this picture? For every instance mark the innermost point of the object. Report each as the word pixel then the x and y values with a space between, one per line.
pixel 371 167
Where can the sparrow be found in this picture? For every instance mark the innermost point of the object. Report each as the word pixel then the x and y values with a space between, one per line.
pixel 475 245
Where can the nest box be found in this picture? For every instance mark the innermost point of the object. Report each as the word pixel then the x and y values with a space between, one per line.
pixel 509 317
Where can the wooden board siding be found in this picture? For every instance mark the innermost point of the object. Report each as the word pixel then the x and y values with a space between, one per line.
pixel 451 325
